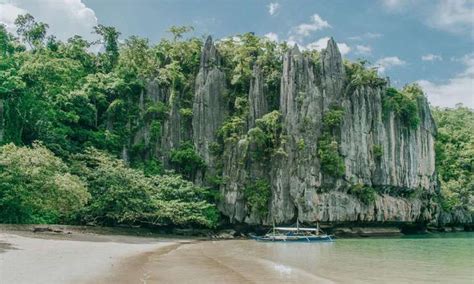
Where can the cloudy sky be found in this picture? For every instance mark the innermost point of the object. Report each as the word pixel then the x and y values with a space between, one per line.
pixel 428 41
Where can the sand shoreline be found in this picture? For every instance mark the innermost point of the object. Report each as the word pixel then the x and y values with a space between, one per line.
pixel 84 257
pixel 27 257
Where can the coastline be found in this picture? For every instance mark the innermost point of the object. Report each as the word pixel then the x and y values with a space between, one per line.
pixel 73 257
pixel 109 255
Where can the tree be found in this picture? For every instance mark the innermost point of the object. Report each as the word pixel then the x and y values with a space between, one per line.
pixel 110 37
pixel 37 187
pixel 455 156
pixel 30 31
pixel 178 31
pixel 122 195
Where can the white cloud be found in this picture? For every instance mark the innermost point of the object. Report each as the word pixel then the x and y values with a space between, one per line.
pixel 388 62
pixel 431 57
pixel 395 4
pixel 273 8
pixel 8 14
pixel 272 36
pixel 459 89
pixel 367 35
pixel 65 18
pixel 454 16
pixel 363 49
pixel 321 43
pixel 316 23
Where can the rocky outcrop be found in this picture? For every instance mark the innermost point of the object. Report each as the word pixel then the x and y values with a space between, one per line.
pixel 376 148
pixel 258 105
pixel 404 159
pixel 407 156
pixel 210 106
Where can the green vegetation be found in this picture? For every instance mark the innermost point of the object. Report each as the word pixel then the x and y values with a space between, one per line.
pixel 455 157
pixel 37 187
pixel 258 195
pixel 360 75
pixel 333 117
pixel 378 151
pixel 366 194
pixel 328 148
pixel 266 134
pixel 404 104
pixel 328 152
pixel 71 100
pixel 122 195
pixel 186 161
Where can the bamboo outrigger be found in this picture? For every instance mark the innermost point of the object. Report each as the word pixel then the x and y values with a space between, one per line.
pixel 294 234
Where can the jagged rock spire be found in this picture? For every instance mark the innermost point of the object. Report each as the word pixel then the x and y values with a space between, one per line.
pixel 331 60
pixel 209 57
pixel 257 100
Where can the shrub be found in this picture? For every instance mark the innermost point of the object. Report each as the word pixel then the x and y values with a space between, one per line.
pixel 37 187
pixel 186 161
pixel 360 75
pixel 258 195
pixel 232 127
pixel 404 105
pixel 333 117
pixel 366 194
pixel 122 195
pixel 331 161
pixel 266 134
pixel 301 144
pixel 378 151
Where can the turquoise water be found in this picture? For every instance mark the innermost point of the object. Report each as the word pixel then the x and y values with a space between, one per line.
pixel 442 258
pixel 435 258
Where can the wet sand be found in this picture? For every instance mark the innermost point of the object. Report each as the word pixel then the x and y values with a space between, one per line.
pixel 27 257
pixel 211 262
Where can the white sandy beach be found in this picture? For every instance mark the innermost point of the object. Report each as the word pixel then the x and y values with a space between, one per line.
pixel 78 259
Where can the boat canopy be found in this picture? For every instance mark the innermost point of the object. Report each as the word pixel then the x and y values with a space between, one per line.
pixel 296 229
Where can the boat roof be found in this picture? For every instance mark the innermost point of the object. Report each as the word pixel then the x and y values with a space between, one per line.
pixel 296 229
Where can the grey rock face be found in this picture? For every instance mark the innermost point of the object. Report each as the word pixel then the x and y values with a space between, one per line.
pixel 171 126
pixel 299 188
pixel 408 156
pixel 257 99
pixel 210 103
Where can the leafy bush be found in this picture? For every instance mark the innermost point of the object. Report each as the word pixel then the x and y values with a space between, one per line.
pixel 37 187
pixel 378 151
pixel 258 195
pixel 333 117
pixel 360 75
pixel 122 195
pixel 232 127
pixel 331 161
pixel 186 160
pixel 404 105
pixel 366 194
pixel 266 133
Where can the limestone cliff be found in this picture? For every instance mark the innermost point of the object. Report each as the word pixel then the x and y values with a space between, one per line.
pixel 209 105
pixel 299 186
pixel 375 147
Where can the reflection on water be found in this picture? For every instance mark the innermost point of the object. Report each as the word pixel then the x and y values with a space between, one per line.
pixel 446 258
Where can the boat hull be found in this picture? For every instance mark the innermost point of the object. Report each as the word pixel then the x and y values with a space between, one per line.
pixel 290 239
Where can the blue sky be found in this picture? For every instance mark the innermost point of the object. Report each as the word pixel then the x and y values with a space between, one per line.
pixel 428 41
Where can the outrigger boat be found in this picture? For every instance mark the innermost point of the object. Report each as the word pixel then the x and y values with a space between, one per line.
pixel 294 234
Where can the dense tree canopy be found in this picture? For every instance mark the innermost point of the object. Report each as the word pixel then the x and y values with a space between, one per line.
pixel 455 156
